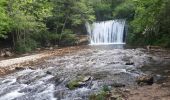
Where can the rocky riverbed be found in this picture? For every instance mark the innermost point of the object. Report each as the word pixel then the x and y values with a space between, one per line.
pixel 80 74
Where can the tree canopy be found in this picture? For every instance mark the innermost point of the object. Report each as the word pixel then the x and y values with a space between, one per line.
pixel 32 23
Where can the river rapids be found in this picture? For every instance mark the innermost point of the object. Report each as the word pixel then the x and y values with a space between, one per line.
pixel 49 81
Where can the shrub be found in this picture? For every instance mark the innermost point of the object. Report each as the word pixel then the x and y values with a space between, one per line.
pixel 68 38
pixel 27 45
pixel 164 41
pixel 45 38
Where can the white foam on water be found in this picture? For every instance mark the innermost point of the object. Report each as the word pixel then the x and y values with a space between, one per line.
pixel 48 93
pixel 11 95
pixel 84 89
pixel 10 81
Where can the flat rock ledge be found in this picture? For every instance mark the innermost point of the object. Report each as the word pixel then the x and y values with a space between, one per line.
pixel 10 65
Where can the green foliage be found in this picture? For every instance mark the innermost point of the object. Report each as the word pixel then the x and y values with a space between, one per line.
pixel 26 20
pixel 55 21
pixel 103 11
pixel 149 20
pixel 106 88
pixel 164 41
pixel 46 38
pixel 145 15
pixel 68 36
pixel 82 11
pixel 4 19
pixel 26 46
pixel 125 10
pixel 150 24
pixel 70 13
pixel 102 95
pixel 105 8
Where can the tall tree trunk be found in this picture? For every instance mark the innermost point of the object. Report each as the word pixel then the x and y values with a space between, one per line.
pixel 13 39
pixel 24 36
pixel 17 35
pixel 63 28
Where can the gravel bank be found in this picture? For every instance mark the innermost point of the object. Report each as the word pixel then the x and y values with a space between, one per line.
pixel 9 65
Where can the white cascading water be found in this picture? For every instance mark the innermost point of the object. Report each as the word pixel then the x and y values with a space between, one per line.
pixel 106 32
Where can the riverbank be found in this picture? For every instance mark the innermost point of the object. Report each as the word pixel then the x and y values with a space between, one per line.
pixel 22 62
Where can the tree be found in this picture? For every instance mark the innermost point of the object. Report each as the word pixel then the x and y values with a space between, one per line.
pixel 68 14
pixel 105 8
pixel 125 10
pixel 4 19
pixel 146 23
pixel 27 18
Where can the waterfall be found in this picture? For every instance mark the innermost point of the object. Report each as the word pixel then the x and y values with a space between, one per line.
pixel 106 32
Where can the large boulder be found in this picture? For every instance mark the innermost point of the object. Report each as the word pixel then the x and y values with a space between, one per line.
pixel 8 54
pixel 82 40
pixel 79 82
pixel 2 54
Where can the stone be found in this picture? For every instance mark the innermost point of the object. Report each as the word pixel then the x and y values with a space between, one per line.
pixel 48 72
pixel 166 57
pixel 55 46
pixel 149 47
pixel 87 78
pixel 164 84
pixel 81 84
pixel 118 85
pixel 167 71
pixel 113 98
pixel 8 54
pixel 56 80
pixel 159 78
pixel 116 97
pixel 19 68
pixel 74 84
pixel 2 54
pixel 51 48
pixel 145 79
pixel 82 40
pixel 129 63
pixel 126 90
pixel 32 68
pixel 38 49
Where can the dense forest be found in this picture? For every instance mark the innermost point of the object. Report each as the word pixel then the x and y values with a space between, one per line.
pixel 28 24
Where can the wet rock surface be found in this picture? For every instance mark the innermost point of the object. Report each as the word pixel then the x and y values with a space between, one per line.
pixel 114 67
pixel 155 82
pixel 145 79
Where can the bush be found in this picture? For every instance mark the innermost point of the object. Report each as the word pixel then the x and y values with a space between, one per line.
pixel 102 95
pixel 164 41
pixel 125 10
pixel 45 38
pixel 27 45
pixel 68 38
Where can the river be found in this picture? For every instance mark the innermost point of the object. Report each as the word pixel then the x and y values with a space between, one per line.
pixel 97 66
